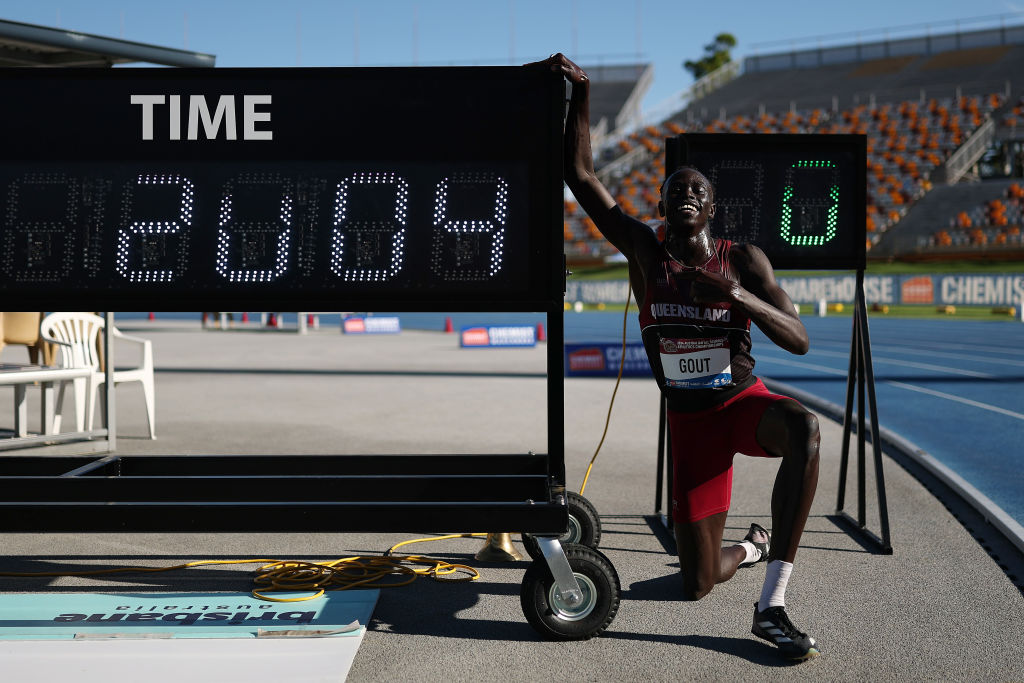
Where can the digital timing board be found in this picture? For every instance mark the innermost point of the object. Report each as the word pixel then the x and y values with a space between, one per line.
pixel 354 189
pixel 800 198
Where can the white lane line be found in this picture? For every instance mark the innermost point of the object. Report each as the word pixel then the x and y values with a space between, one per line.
pixel 979 357
pixel 958 399
pixel 799 364
pixel 924 344
pixel 909 363
pixel 901 385
pixel 976 358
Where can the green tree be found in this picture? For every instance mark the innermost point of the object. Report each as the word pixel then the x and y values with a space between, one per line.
pixel 716 54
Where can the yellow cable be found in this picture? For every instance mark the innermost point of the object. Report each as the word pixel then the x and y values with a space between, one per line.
pixel 622 364
pixel 316 578
pixel 431 538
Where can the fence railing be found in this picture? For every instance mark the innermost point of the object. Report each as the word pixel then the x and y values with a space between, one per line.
pixel 967 155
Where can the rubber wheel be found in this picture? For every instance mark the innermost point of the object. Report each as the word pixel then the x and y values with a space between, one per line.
pixel 532 548
pixel 584 522
pixel 584 526
pixel 552 617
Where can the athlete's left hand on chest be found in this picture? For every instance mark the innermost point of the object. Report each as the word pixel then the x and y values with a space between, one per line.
pixel 711 288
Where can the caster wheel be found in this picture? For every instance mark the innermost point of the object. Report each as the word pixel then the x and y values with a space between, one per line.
pixel 552 616
pixel 584 526
pixel 584 523
pixel 532 548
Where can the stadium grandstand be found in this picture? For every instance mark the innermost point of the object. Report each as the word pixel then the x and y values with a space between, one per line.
pixel 616 92
pixel 944 119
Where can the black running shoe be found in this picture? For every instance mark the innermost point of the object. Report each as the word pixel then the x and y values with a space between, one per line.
pixel 761 539
pixel 774 625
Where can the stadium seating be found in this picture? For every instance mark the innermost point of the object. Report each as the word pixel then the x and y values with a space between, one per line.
pixel 994 223
pixel 919 99
pixel 907 141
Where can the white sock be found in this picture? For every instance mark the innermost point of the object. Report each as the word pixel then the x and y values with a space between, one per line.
pixel 773 594
pixel 753 554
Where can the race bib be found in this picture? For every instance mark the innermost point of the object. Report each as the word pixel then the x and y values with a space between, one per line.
pixel 696 363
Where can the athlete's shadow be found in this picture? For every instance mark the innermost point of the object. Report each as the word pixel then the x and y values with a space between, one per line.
pixel 451 609
pixel 667 588
pixel 745 648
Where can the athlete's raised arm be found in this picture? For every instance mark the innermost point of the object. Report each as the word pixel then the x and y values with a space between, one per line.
pixel 578 167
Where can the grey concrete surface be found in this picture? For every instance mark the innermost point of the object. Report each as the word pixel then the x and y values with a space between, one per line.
pixel 939 608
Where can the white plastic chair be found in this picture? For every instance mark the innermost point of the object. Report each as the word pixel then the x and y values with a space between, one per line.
pixel 76 336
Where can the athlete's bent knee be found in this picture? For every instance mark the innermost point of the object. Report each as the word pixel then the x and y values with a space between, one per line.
pixel 804 435
pixel 811 426
pixel 802 425
pixel 695 590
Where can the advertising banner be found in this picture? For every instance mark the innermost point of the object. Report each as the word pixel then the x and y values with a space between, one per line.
pixel 596 291
pixel 602 360
pixel 957 289
pixel 980 290
pixel 960 289
pixel 498 335
pixel 840 288
pixel 371 325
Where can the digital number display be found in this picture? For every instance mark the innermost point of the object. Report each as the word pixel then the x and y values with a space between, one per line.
pixel 320 225
pixel 800 198
pixel 360 188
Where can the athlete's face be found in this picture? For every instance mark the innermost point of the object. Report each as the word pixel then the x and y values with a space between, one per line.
pixel 687 199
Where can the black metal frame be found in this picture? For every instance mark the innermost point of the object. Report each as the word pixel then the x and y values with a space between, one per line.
pixel 860 377
pixel 279 493
pixel 311 493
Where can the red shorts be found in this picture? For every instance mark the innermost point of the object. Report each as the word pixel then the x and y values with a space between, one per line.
pixel 703 445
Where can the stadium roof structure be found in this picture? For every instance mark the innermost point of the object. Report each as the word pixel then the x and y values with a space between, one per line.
pixel 42 46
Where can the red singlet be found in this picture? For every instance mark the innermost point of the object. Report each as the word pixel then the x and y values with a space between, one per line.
pixel 700 355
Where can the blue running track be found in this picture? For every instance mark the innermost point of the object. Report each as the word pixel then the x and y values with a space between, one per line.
pixel 953 388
